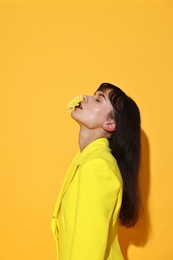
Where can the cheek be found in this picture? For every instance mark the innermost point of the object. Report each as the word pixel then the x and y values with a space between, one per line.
pixel 95 109
pixel 95 117
pixel 93 112
pixel 91 116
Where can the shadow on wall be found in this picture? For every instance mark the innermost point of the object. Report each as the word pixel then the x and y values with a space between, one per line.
pixel 139 234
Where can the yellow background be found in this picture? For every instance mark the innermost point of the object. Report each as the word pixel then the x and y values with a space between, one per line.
pixel 51 51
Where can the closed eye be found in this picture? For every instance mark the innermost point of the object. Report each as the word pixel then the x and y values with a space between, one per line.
pixel 99 96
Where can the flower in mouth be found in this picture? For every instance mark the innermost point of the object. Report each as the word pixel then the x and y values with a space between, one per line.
pixel 75 102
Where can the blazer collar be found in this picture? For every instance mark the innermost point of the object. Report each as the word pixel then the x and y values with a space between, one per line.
pixel 96 145
pixel 78 159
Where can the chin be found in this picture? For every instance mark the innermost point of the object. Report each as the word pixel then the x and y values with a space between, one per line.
pixel 77 118
pixel 74 115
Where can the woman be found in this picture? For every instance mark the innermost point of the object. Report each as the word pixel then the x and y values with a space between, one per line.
pixel 101 185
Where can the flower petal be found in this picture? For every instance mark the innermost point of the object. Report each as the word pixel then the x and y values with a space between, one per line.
pixel 74 102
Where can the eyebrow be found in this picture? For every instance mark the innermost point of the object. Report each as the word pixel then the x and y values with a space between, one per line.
pixel 100 94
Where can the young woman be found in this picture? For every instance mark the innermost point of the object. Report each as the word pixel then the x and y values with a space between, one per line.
pixel 101 185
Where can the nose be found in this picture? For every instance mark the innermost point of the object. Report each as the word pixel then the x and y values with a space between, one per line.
pixel 85 98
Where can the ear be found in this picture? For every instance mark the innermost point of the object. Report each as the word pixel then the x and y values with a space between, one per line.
pixel 109 126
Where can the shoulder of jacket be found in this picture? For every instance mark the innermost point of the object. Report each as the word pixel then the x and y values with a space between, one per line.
pixel 102 166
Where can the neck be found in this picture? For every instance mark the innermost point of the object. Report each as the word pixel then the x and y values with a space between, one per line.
pixel 86 136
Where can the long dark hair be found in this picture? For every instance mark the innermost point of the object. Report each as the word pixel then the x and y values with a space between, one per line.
pixel 125 144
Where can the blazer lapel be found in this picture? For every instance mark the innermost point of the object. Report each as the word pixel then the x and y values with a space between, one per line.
pixel 69 176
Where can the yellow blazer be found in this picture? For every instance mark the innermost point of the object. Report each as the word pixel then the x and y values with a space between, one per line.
pixel 85 218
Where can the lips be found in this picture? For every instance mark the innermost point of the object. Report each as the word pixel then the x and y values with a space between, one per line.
pixel 79 106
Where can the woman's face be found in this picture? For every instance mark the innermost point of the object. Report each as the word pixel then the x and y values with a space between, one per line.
pixel 93 111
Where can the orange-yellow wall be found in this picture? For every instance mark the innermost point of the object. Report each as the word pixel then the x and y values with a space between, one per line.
pixel 51 51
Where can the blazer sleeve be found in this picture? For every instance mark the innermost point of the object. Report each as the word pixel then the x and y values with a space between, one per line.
pixel 97 197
